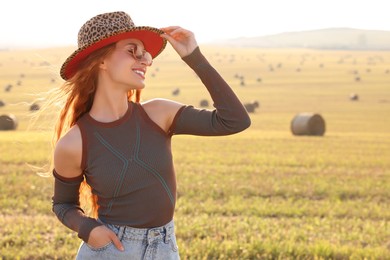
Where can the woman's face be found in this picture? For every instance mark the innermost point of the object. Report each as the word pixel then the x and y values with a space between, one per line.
pixel 127 64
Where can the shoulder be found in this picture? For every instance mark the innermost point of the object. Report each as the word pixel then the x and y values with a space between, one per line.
pixel 68 152
pixel 162 111
pixel 162 103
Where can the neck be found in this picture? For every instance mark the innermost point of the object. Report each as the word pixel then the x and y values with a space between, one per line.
pixel 109 105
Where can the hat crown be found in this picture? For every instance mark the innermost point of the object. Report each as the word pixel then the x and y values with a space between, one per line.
pixel 103 26
pixel 108 28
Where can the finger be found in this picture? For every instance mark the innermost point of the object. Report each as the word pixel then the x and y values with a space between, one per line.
pixel 167 37
pixel 169 28
pixel 115 240
pixel 173 36
pixel 176 31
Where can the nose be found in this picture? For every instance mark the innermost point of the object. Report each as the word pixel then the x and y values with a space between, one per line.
pixel 147 59
pixel 147 62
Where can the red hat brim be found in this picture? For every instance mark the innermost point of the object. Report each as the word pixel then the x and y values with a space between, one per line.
pixel 149 36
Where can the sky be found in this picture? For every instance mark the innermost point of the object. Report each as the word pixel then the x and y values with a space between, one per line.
pixel 52 23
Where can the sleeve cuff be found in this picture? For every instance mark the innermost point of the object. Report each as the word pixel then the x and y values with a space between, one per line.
pixel 86 228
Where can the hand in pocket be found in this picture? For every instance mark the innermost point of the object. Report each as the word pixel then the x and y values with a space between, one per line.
pixel 101 236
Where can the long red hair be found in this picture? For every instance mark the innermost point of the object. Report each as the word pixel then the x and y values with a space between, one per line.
pixel 79 92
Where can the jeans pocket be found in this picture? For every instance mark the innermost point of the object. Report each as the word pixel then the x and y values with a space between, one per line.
pixel 172 242
pixel 102 248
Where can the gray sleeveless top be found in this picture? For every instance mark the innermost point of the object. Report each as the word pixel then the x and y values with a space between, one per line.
pixel 128 163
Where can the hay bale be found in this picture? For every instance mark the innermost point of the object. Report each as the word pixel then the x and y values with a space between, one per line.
pixel 8 88
pixel 308 124
pixel 204 103
pixel 251 107
pixel 354 97
pixel 34 107
pixel 8 122
pixel 176 92
pixel 2 103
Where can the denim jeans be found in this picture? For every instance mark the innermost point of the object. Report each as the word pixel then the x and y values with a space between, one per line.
pixel 139 243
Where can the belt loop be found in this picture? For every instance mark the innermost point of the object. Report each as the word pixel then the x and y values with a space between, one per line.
pixel 167 236
pixel 121 232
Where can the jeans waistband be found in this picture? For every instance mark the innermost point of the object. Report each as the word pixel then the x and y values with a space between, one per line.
pixel 126 232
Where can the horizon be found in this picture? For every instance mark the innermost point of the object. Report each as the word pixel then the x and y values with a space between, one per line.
pixel 57 25
pixel 214 42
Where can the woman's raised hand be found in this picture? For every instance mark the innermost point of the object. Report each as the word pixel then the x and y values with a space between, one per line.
pixel 182 40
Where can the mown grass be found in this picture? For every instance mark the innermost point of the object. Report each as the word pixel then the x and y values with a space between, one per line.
pixel 260 194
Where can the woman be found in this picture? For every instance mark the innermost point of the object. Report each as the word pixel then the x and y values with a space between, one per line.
pixel 120 148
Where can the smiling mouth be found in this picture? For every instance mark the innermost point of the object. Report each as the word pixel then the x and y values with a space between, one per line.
pixel 140 73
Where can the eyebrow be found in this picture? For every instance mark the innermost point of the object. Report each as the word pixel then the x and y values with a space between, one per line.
pixel 132 44
pixel 135 45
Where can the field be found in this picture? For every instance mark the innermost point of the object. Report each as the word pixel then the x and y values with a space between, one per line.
pixel 260 194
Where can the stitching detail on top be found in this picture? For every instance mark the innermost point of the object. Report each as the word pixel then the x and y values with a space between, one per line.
pixel 149 168
pixel 125 162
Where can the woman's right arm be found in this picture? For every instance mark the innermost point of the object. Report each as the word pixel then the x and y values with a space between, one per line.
pixel 67 180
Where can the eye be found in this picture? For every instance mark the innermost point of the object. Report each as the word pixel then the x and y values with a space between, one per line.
pixel 132 50
pixel 137 53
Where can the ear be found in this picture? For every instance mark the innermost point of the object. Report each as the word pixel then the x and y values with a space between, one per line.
pixel 103 65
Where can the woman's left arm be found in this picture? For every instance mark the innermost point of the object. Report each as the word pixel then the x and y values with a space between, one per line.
pixel 229 115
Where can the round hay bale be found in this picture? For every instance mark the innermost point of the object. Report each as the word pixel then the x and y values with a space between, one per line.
pixel 354 97
pixel 308 124
pixel 2 103
pixel 8 122
pixel 8 88
pixel 34 107
pixel 251 107
pixel 176 92
pixel 204 103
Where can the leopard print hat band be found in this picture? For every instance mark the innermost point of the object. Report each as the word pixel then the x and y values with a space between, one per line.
pixel 107 28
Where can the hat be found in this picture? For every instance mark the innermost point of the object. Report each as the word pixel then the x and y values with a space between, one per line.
pixel 107 28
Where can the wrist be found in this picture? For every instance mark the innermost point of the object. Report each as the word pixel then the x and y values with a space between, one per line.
pixel 86 227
